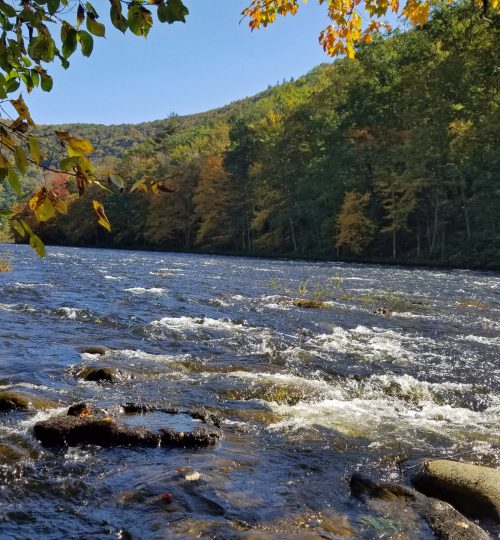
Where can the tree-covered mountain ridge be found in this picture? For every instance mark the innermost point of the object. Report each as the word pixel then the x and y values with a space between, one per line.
pixel 114 140
pixel 391 156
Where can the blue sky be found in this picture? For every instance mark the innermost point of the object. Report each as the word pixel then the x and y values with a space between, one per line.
pixel 183 68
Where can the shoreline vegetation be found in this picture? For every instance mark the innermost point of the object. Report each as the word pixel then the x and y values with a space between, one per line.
pixel 388 158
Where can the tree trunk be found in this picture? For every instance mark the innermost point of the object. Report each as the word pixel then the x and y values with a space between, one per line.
pixel 436 221
pixel 292 229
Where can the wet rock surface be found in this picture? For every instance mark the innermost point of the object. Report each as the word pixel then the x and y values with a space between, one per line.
pixel 95 350
pixel 12 400
pixel 86 426
pixel 199 413
pixel 472 489
pixel 444 520
pixel 11 454
pixel 100 374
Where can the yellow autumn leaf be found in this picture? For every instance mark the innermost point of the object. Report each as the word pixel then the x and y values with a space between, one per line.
pixel 45 211
pixel 22 109
pixel 140 185
pixel 34 149
pixel 41 205
pixel 37 199
pixel 59 204
pixel 102 219
pixel 79 147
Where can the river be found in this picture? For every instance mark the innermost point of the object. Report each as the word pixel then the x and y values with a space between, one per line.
pixel 306 396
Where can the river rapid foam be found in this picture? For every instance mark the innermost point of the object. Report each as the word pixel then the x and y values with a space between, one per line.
pixel 398 364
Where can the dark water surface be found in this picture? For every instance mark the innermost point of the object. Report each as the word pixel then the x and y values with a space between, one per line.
pixel 307 396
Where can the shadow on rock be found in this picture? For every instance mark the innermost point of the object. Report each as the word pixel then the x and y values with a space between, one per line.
pixel 446 522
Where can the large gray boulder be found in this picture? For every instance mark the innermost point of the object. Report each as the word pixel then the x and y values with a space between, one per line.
pixel 472 489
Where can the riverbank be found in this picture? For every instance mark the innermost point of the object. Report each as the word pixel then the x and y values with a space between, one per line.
pixel 417 262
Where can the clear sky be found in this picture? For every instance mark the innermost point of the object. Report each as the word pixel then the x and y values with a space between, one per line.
pixel 183 68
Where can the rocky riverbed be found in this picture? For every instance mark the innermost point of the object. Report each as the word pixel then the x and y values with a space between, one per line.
pixel 213 397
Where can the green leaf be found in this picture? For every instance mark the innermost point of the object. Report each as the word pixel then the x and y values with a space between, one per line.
pixel 94 27
pixel 37 244
pixel 140 20
pixel 5 213
pixel 91 9
pixel 64 62
pixel 26 227
pixel 21 159
pixel 14 182
pixel 53 6
pixel 16 225
pixel 86 42
pixel 80 15
pixel 118 182
pixel 35 77
pixel 7 9
pixel 12 85
pixel 34 149
pixel 27 80
pixel 174 11
pixel 42 47
pixel 117 18
pixel 46 81
pixel 68 163
pixel 69 39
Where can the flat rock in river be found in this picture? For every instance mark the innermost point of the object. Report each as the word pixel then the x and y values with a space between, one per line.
pixel 12 400
pixel 472 489
pixel 105 431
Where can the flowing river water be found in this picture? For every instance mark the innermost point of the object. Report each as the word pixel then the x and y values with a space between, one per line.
pixel 306 396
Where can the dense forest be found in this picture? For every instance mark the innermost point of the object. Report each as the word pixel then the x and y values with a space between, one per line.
pixel 391 156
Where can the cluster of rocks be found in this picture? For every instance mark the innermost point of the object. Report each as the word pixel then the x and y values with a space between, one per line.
pixel 86 425
pixel 448 495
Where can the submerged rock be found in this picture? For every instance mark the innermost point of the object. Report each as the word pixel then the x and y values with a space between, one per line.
pixel 199 413
pixel 10 454
pixel 472 489
pixel 12 400
pixel 446 522
pixel 99 374
pixel 81 427
pixel 95 350
pixel 309 304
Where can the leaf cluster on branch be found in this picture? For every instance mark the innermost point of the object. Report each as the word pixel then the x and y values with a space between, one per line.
pixel 36 33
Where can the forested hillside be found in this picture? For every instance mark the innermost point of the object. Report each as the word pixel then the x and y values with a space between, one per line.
pixel 391 156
